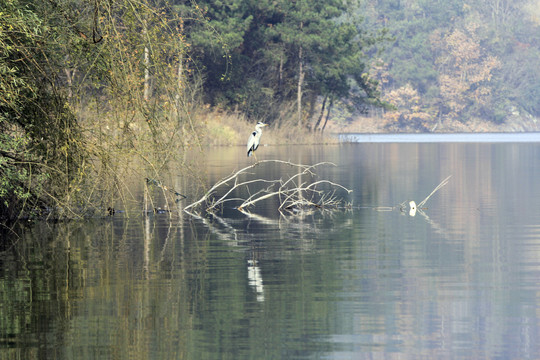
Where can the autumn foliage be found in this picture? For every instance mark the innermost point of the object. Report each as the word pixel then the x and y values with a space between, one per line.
pixel 465 72
pixel 457 62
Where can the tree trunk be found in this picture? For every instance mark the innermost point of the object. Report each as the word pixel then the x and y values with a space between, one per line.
pixel 70 73
pixel 180 81
pixel 180 73
pixel 300 79
pixel 321 114
pixel 146 74
pixel 146 91
pixel 300 83
pixel 312 102
pixel 280 73
pixel 327 114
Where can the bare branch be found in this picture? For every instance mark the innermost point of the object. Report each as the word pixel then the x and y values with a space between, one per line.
pixel 245 183
pixel 444 182
pixel 289 191
pixel 331 183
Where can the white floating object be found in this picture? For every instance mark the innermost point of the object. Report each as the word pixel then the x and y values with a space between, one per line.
pixel 412 208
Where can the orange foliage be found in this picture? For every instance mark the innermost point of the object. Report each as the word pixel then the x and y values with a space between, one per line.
pixel 410 110
pixel 465 70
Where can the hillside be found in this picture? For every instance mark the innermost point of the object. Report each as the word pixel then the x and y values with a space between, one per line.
pixel 452 61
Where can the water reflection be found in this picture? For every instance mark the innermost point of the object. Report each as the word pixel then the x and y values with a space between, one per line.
pixel 255 278
pixel 458 280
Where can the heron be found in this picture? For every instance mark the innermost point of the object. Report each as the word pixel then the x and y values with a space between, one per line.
pixel 254 139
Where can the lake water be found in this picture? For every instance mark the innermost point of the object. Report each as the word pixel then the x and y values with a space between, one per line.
pixel 459 280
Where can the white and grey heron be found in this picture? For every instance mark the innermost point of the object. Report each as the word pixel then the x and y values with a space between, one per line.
pixel 255 139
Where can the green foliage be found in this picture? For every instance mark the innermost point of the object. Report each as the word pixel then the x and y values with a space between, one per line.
pixel 86 89
pixel 40 146
pixel 19 28
pixel 520 77
pixel 253 64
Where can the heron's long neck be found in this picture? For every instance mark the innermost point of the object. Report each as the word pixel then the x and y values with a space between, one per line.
pixel 258 129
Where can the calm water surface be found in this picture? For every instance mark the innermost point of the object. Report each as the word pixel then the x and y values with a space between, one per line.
pixel 460 280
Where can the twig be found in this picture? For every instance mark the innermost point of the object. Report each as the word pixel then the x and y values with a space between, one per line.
pixel 245 183
pixel 331 183
pixel 444 182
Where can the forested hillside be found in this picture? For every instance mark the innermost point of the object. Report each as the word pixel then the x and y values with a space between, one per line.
pixel 257 56
pixel 88 87
pixel 435 63
pixel 456 60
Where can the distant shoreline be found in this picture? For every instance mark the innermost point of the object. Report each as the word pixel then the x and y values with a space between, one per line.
pixel 377 125
pixel 497 137
pixel 224 129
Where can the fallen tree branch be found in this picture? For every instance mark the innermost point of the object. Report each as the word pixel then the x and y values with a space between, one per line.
pixel 291 195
